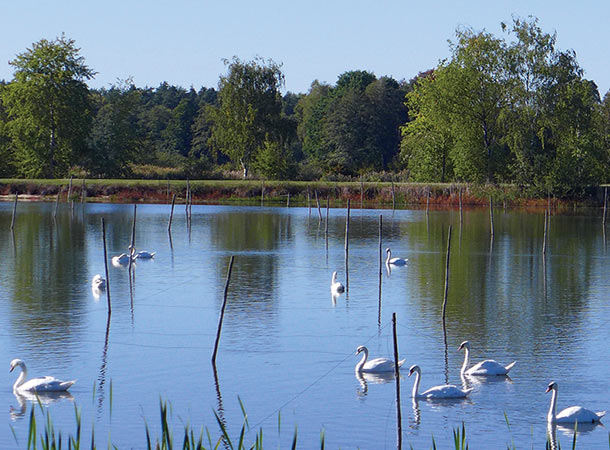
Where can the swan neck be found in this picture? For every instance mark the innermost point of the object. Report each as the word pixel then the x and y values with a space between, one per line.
pixel 553 408
pixel 415 392
pixel 21 378
pixel 466 359
pixel 360 365
pixel 387 260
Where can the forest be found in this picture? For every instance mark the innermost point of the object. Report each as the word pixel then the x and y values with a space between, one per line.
pixel 511 109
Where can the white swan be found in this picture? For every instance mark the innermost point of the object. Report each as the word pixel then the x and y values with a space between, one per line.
pixel 144 255
pixel 41 384
pixel 377 365
pixel 124 258
pixel 396 261
pixel 120 260
pixel 444 391
pixel 571 414
pixel 489 367
pixel 336 288
pixel 98 282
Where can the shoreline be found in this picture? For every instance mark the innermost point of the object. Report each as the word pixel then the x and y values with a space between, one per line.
pixel 372 194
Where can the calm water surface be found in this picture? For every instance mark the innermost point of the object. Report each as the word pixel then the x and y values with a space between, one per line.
pixel 287 350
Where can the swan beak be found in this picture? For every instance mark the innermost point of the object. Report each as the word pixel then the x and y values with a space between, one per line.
pixel 411 372
pixel 460 347
pixel 11 369
pixel 548 389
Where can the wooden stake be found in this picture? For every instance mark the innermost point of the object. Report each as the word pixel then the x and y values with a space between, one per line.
pixel 14 212
pixel 69 189
pixel 491 216
pixel 318 203
pixel 393 197
pixel 222 311
pixel 347 246
pixel 397 376
pixel 326 224
pixel 83 192
pixel 605 204
pixel 447 274
pixel 133 237
pixel 308 201
pixel 361 194
pixel 461 212
pixel 106 267
pixel 546 226
pixel 56 203
pixel 171 214
pixel 427 201
pixel 380 267
pixel 262 193
pixel 288 201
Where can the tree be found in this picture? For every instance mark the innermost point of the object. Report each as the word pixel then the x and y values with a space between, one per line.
pixel 49 107
pixel 115 136
pixel 249 109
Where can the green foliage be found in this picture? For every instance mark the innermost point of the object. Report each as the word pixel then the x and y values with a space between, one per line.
pixel 274 162
pixel 115 138
pixel 249 109
pixel 48 107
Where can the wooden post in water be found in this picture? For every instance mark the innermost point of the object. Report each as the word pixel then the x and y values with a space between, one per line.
pixel 318 204
pixel 461 213
pixel 447 275
pixel 491 216
pixel 56 203
pixel 69 189
pixel 308 201
pixel 326 224
pixel 83 192
pixel 171 214
pixel 393 197
pixel 347 247
pixel 106 267
pixel 222 311
pixel 187 197
pixel 361 194
pixel 397 376
pixel 380 266
pixel 347 230
pixel 546 226
pixel 133 237
pixel 14 212
pixel 288 201
pixel 427 201
pixel 605 206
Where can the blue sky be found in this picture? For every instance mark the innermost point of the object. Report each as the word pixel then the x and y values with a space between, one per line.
pixel 184 42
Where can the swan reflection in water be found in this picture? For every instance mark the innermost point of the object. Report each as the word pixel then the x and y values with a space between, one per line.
pixel 471 381
pixel 374 378
pixel 568 429
pixel 45 399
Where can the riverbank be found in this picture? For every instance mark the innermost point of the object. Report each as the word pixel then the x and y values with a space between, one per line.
pixel 370 194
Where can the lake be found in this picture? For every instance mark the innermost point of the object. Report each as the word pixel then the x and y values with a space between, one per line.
pixel 287 349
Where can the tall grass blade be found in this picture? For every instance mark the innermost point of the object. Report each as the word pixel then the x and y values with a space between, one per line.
pixel 575 432
pixel 322 439
pixel 243 411
pixel 224 430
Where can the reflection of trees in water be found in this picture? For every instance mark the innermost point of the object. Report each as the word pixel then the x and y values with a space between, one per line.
pixel 50 259
pixel 254 280
pixel 506 287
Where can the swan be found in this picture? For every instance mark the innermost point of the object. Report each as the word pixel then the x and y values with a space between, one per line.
pixel 335 286
pixel 41 384
pixel 489 367
pixel 571 414
pixel 436 392
pixel 98 282
pixel 120 260
pixel 395 261
pixel 377 365
pixel 144 255
pixel 124 258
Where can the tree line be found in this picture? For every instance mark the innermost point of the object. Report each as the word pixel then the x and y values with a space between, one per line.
pixel 509 109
